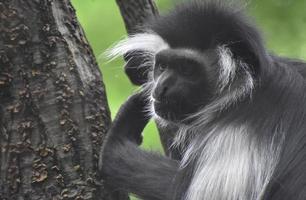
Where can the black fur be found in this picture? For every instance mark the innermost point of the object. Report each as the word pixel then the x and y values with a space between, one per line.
pixel 129 168
pixel 278 105
pixel 203 25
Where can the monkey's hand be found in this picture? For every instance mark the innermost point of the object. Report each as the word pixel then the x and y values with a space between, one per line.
pixel 134 69
pixel 130 120
pixel 124 166
pixel 125 129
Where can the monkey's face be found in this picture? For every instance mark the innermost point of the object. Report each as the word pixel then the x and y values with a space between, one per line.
pixel 182 83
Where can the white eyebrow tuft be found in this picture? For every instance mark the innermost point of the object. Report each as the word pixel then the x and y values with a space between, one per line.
pixel 149 43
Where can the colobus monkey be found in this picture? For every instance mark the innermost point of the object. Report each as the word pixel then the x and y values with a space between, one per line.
pixel 240 112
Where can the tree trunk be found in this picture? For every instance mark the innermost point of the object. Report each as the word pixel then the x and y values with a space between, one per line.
pixel 53 108
pixel 135 13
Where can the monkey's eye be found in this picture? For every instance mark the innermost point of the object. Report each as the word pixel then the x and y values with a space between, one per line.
pixel 161 67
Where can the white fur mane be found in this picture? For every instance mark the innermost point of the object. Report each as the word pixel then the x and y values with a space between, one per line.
pixel 231 164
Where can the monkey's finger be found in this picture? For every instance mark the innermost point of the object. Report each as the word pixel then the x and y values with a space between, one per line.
pixel 134 69
pixel 131 119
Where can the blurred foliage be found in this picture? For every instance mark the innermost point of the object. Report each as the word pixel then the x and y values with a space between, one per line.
pixel 283 23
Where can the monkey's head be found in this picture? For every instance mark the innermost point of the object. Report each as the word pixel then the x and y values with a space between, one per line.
pixel 198 59
pixel 182 82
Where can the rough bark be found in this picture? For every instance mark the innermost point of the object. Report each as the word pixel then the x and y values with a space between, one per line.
pixel 135 13
pixel 53 108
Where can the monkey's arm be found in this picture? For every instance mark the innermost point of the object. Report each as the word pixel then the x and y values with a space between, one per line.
pixel 129 168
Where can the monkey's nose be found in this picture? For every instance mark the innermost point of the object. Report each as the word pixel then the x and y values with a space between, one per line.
pixel 160 92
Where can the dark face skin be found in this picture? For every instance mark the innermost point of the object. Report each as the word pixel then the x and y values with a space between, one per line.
pixel 183 85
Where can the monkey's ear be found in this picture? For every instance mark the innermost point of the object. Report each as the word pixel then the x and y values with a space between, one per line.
pixel 134 68
pixel 250 49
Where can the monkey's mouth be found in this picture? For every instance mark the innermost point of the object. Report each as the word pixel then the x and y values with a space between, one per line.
pixel 168 110
pixel 174 111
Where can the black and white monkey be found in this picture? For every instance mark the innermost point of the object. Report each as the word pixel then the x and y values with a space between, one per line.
pixel 240 112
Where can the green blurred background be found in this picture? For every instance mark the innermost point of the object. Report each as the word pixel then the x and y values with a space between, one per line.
pixel 283 23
